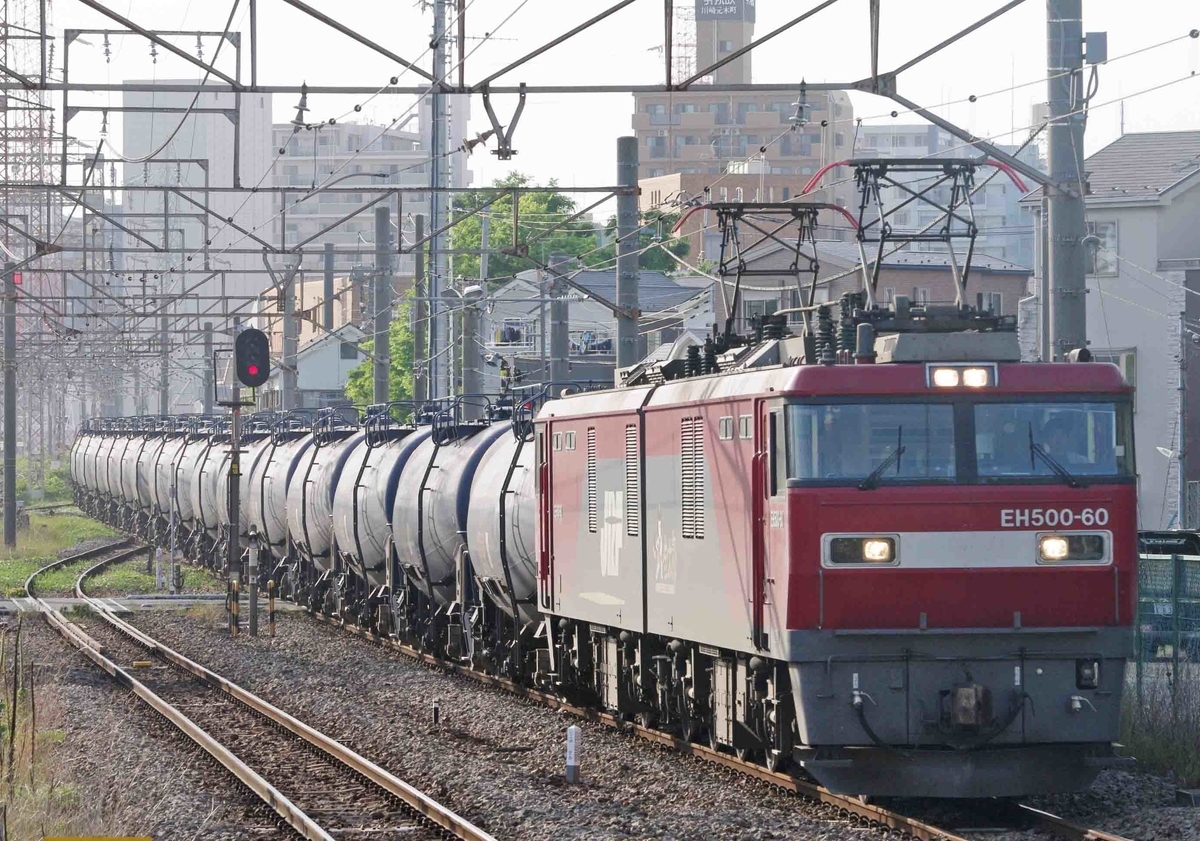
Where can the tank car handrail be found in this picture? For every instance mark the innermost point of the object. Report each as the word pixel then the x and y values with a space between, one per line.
pixel 524 409
pixel 379 422
pixel 330 425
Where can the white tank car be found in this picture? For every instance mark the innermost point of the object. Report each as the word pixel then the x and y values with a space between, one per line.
pixel 115 463
pixel 213 463
pixel 310 497
pixel 186 466
pixel 269 489
pixel 91 467
pixel 371 476
pixel 144 477
pixel 252 452
pixel 429 520
pixel 107 444
pixel 164 473
pixel 505 477
pixel 78 448
pixel 85 455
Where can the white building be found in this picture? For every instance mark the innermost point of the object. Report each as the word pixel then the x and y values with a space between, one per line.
pixel 1144 206
pixel 1005 228
pixel 216 145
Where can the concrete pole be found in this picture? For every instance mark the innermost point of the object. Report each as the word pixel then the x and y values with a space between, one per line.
pixel 560 333
pixel 627 256
pixel 10 408
pixel 485 244
pixel 1067 214
pixel 419 317
pixel 209 382
pixel 327 290
pixel 472 355
pixel 438 143
pixel 287 374
pixel 383 301
pixel 164 372
pixel 1181 520
pixel 1044 353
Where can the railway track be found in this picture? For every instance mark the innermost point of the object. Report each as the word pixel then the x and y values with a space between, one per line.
pixel 1022 815
pixel 317 786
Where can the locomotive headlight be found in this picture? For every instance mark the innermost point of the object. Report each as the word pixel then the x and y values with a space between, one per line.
pixel 945 377
pixel 877 550
pixel 1053 548
pixel 861 550
pixel 1072 548
pixel 976 377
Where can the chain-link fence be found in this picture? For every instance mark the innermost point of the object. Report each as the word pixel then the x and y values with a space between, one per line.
pixel 1168 621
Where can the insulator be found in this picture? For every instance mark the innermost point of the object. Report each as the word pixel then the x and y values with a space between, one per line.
pixel 692 364
pixel 825 342
pixel 845 335
pixel 710 356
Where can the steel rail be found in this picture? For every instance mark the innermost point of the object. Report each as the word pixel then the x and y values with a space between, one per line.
pixel 430 809
pixel 295 818
pixel 914 827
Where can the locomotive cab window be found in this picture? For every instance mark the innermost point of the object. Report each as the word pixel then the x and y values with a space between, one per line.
pixel 883 442
pixel 1042 440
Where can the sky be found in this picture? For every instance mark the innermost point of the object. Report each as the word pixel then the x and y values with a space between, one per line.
pixel 572 138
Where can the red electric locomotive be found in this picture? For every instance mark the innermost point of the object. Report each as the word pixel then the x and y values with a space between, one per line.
pixel 893 554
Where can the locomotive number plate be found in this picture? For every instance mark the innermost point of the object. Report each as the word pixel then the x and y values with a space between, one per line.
pixel 1036 518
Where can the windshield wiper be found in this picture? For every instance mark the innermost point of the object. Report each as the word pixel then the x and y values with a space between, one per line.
pixel 872 481
pixel 1036 449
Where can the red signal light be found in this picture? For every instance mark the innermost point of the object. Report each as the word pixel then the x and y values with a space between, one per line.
pixel 17 279
pixel 252 370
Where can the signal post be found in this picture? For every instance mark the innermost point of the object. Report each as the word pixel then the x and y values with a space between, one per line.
pixel 252 368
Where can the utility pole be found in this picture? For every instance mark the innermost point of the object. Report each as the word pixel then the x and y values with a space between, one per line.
pixel 485 243
pixel 437 200
pixel 209 384
pixel 164 400
pixel 1181 520
pixel 1067 214
pixel 627 248
pixel 10 407
pixel 383 301
pixel 420 308
pixel 287 374
pixel 327 289
pixel 235 501
pixel 560 335
pixel 472 376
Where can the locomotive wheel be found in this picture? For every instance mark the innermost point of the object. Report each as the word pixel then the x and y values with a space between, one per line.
pixel 688 728
pixel 647 719
pixel 744 754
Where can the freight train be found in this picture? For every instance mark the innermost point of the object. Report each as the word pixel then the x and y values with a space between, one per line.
pixel 887 552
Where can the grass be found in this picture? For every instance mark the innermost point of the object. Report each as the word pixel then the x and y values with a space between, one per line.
pixel 1161 724
pixel 131 577
pixel 48 535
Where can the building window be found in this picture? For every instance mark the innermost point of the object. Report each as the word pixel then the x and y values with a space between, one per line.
pixel 839 139
pixel 992 302
pixel 725 46
pixel 349 350
pixel 1102 259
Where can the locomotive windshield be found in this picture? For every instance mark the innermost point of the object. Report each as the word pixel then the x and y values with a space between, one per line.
pixel 851 441
pixel 962 439
pixel 1086 439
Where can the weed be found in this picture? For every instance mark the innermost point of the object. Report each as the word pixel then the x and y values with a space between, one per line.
pixel 1160 724
pixel 47 536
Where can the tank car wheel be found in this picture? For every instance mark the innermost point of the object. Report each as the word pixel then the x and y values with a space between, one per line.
pixel 647 719
pixel 688 728
pixel 776 761
pixel 744 754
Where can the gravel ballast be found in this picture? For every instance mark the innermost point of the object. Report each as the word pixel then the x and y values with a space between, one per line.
pixel 123 769
pixel 494 759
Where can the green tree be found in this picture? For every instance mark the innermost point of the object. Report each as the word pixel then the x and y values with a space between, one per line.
pixel 656 228
pixel 537 212
pixel 360 385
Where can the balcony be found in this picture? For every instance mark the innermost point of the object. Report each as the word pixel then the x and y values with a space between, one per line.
pixel 698 119
pixel 763 119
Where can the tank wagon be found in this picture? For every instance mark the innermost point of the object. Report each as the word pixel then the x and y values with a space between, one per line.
pixel 889 553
